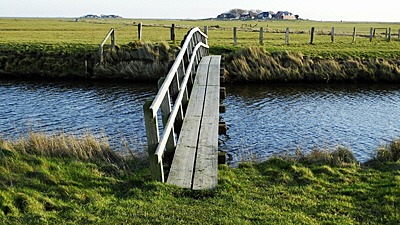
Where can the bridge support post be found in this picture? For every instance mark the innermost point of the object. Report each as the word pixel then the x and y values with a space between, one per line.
pixel 156 168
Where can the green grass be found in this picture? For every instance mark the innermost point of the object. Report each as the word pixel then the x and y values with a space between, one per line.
pixel 92 32
pixel 323 187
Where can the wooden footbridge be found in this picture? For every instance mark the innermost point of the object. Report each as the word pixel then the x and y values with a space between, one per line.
pixel 182 121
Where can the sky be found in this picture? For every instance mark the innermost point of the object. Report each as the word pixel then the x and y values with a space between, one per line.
pixel 333 10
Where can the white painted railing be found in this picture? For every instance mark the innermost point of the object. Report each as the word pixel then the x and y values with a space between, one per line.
pixel 171 101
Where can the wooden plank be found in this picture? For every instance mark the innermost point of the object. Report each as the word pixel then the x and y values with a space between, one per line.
pixel 206 168
pixel 214 70
pixel 202 71
pixel 181 172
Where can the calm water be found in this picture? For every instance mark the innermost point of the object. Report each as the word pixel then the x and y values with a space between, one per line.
pixel 116 108
pixel 262 119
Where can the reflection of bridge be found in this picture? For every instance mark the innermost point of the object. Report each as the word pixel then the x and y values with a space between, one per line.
pixel 187 104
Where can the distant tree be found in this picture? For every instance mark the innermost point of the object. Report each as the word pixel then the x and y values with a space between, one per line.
pixel 237 12
pixel 254 13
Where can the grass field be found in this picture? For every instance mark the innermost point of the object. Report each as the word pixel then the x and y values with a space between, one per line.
pixel 92 32
pixel 60 185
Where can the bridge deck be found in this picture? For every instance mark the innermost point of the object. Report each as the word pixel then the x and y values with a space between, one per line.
pixel 195 160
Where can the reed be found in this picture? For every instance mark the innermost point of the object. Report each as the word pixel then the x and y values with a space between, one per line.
pixel 255 64
pixel 89 147
pixel 136 61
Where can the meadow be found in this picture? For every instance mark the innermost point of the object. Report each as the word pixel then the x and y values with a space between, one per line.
pixel 92 32
pixel 63 179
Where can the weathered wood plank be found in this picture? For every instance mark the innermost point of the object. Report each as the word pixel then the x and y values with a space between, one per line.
pixel 206 167
pixel 214 71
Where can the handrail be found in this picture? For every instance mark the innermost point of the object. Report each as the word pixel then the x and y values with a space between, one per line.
pixel 175 86
pixel 157 101
pixel 162 144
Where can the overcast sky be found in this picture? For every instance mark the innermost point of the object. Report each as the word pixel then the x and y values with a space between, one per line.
pixel 333 10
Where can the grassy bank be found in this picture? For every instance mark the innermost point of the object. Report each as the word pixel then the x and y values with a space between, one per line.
pixel 42 186
pixel 258 65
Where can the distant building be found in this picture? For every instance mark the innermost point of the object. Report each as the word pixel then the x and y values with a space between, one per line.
pixel 226 16
pixel 110 16
pixel 90 16
pixel 245 16
pixel 284 15
pixel 264 16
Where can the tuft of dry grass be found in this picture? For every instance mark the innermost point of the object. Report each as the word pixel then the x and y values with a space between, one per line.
pixel 86 147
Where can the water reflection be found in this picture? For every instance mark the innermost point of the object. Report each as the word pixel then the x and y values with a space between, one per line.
pixel 268 119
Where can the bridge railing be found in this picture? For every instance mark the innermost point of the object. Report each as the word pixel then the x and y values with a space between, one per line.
pixel 171 101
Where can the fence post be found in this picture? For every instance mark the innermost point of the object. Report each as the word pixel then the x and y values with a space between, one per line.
pixel 312 35
pixel 287 36
pixel 206 30
pixel 173 32
pixel 140 31
pixel 333 35
pixel 113 39
pixel 235 36
pixel 157 171
pixel 399 33
pixel 371 35
pixel 354 34
pixel 261 36
pixel 390 34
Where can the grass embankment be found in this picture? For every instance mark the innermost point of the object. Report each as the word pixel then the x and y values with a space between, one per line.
pixel 258 65
pixel 48 180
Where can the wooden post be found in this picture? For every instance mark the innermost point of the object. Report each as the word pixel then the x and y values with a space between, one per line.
pixel 173 32
pixel 234 36
pixel 287 36
pixel 371 35
pixel 156 168
pixel 113 39
pixel 333 35
pixel 390 34
pixel 261 36
pixel 206 30
pixel 399 33
pixel 312 35
pixel 386 35
pixel 354 34
pixel 140 31
pixel 374 32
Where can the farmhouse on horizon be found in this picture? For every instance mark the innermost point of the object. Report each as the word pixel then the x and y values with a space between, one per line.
pixel 280 15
